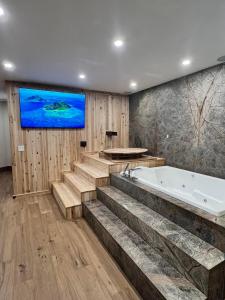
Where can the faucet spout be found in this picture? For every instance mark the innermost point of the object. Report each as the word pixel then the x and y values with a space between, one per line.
pixel 127 172
pixel 127 165
pixel 123 173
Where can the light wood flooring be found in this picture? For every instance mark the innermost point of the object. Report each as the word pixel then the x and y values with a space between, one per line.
pixel 44 257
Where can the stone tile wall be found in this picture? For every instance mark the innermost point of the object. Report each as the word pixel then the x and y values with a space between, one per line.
pixel 183 121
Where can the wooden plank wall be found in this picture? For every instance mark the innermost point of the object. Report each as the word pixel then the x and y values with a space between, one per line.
pixel 48 152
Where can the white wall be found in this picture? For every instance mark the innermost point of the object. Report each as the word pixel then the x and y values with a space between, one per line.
pixel 5 157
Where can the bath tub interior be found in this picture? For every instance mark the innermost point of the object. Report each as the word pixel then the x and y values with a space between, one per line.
pixel 202 191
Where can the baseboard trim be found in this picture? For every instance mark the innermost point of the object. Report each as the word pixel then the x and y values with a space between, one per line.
pixel 32 194
pixel 8 168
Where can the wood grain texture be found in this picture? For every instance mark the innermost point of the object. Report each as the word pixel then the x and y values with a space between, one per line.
pixel 82 187
pixel 126 151
pixel 49 152
pixel 69 202
pixel 93 171
pixel 42 256
pixel 114 166
pixel 92 174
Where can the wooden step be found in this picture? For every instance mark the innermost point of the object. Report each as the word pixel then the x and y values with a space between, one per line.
pixel 92 174
pixel 198 261
pixel 97 162
pixel 151 274
pixel 68 201
pixel 81 186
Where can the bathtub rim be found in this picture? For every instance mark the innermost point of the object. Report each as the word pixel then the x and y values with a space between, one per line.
pixel 157 187
pixel 180 169
pixel 217 220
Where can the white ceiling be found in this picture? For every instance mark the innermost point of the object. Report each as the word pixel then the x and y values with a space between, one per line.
pixel 53 40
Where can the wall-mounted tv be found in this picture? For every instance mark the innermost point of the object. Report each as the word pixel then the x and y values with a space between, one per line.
pixel 51 109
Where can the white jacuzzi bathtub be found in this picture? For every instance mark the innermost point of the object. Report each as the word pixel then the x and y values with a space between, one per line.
pixel 204 192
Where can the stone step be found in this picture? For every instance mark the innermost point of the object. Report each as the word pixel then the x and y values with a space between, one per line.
pixel 153 277
pixel 81 186
pixel 92 174
pixel 198 261
pixel 206 226
pixel 68 201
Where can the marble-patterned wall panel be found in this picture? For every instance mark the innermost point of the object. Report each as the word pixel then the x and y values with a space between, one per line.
pixel 183 121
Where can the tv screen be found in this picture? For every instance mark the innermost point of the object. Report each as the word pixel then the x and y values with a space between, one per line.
pixel 49 109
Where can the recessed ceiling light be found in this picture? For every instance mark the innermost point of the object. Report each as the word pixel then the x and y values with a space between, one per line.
pixel 82 76
pixel 118 43
pixel 186 62
pixel 1 12
pixel 9 66
pixel 133 84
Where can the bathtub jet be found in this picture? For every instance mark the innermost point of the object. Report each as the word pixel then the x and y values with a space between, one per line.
pixel 202 191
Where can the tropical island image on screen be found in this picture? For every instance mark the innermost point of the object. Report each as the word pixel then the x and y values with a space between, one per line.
pixel 49 109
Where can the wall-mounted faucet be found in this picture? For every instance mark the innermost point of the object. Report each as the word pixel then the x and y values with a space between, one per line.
pixel 123 173
pixel 127 172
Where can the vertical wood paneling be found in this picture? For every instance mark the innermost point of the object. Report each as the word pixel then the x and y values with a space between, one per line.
pixel 48 152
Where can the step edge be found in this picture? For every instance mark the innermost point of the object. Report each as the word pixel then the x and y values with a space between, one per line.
pixel 133 258
pixel 80 165
pixel 101 189
pixel 90 189
pixel 73 193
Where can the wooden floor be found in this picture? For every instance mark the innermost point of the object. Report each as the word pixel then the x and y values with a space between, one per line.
pixel 42 256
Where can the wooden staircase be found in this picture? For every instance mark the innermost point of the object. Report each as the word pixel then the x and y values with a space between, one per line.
pixel 92 174
pixel 68 201
pixel 80 185
pixel 92 171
